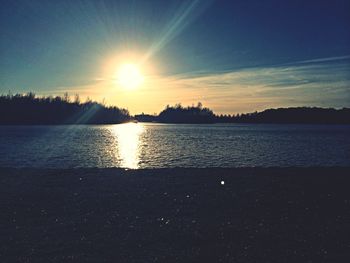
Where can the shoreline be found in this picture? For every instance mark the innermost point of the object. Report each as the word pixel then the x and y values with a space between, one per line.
pixel 175 215
pixel 179 123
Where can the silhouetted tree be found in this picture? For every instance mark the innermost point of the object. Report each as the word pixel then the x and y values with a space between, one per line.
pixel 66 97
pixel 179 114
pixel 77 99
pixel 28 109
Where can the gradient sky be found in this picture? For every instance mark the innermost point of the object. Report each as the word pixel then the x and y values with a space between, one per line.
pixel 233 56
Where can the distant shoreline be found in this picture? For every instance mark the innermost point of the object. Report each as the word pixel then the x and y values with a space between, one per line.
pixel 180 123
pixel 28 109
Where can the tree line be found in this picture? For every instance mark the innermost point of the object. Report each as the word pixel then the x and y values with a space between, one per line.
pixel 199 114
pixel 30 109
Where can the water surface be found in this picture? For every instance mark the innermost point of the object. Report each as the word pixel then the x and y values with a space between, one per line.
pixel 168 145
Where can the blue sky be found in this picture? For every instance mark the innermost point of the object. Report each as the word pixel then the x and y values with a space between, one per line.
pixel 234 56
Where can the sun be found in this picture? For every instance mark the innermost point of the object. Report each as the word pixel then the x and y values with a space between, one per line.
pixel 129 76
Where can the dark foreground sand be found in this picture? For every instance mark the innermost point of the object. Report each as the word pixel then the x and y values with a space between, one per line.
pixel 175 215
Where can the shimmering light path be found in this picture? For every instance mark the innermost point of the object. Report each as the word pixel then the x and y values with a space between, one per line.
pixel 138 145
pixel 128 143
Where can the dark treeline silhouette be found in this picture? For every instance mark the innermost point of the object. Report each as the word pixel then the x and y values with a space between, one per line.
pixel 180 114
pixel 146 117
pixel 198 114
pixel 193 114
pixel 301 115
pixel 29 109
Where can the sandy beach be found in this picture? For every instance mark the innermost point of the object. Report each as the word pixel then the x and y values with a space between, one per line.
pixel 175 215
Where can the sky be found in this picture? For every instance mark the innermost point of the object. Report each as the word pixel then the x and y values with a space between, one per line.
pixel 233 56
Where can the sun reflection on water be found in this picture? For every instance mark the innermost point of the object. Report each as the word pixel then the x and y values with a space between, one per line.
pixel 128 143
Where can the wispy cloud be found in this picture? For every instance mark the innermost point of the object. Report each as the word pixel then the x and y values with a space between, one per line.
pixel 322 82
pixel 311 82
pixel 317 60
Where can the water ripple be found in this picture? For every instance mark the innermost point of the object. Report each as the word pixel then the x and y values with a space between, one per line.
pixel 159 145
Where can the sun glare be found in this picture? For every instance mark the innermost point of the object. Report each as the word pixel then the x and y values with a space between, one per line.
pixel 129 76
pixel 128 138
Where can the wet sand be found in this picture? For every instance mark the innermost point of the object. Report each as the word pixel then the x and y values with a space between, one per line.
pixel 175 215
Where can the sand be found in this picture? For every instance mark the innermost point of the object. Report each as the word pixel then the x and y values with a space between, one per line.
pixel 175 215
